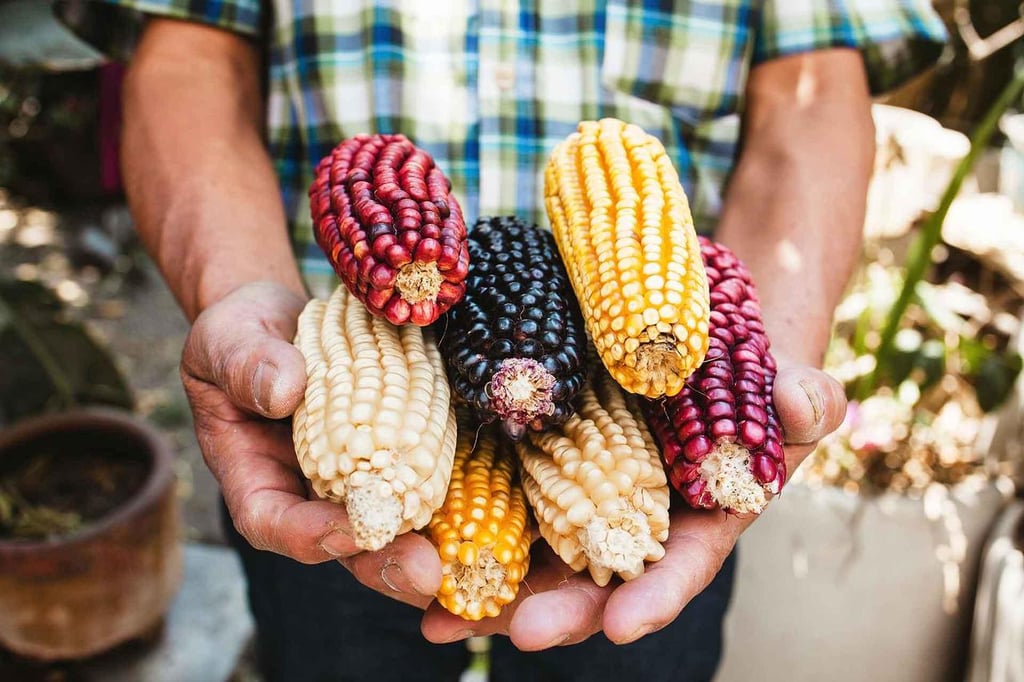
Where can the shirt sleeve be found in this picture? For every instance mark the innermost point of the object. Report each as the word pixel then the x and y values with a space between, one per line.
pixel 897 38
pixel 113 25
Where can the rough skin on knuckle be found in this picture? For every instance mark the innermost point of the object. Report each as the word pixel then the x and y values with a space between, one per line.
pixel 249 521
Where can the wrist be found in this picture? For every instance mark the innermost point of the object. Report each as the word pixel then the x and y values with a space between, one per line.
pixel 797 338
pixel 214 284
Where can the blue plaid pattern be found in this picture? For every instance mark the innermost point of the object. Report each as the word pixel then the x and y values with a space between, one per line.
pixel 489 86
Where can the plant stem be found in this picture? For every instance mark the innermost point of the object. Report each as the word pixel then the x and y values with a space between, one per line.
pixel 919 255
pixel 59 380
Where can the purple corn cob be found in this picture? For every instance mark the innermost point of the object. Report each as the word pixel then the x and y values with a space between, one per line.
pixel 720 436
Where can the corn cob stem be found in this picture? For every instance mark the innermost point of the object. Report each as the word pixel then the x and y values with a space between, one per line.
pixel 521 390
pixel 375 429
pixel 481 530
pixel 623 226
pixel 597 486
pixel 418 282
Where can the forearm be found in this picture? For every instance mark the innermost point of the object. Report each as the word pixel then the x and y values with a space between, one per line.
pixel 197 175
pixel 794 210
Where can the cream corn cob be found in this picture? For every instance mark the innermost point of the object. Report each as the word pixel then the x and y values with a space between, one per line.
pixel 375 429
pixel 597 486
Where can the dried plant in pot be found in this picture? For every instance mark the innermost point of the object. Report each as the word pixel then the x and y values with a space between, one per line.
pixel 875 544
pixel 90 554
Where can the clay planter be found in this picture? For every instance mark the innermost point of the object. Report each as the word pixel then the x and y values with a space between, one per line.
pixel 111 581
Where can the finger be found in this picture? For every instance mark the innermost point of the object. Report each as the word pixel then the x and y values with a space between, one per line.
pixel 811 404
pixel 243 345
pixel 408 569
pixel 267 502
pixel 254 463
pixel 698 544
pixel 554 606
pixel 569 614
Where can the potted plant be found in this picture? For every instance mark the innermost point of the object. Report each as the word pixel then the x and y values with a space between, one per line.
pixel 90 554
pixel 874 545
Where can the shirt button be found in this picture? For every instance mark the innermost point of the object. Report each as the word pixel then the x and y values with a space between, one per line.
pixel 505 76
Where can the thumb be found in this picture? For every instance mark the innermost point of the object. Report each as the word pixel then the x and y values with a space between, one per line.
pixel 242 345
pixel 811 404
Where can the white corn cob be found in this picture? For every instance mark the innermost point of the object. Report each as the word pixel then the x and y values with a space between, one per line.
pixel 376 429
pixel 597 486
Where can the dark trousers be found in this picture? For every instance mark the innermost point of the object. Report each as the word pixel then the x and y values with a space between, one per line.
pixel 318 624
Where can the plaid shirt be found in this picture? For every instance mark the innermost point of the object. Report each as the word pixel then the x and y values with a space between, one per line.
pixel 489 86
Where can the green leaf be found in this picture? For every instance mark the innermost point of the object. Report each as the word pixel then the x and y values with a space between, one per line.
pixel 906 349
pixel 995 377
pixel 932 361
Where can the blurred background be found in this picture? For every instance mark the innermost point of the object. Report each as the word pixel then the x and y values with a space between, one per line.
pixel 895 553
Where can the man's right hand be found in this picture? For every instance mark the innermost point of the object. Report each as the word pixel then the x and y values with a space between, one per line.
pixel 243 378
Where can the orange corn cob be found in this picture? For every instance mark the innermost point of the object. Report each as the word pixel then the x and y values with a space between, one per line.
pixel 482 529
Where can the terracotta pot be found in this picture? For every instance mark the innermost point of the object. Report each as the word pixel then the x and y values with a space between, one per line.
pixel 111 582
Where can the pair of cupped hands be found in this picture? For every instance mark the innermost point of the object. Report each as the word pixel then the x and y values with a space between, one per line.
pixel 244 377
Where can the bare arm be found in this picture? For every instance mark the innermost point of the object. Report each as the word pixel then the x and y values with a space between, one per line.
pixel 198 178
pixel 794 211
pixel 206 202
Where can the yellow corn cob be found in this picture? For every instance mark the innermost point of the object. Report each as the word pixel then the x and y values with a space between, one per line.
pixel 481 531
pixel 597 486
pixel 623 227
pixel 375 429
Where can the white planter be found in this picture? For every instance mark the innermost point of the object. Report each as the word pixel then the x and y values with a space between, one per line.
pixel 837 587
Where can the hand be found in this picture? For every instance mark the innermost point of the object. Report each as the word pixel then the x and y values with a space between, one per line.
pixel 241 374
pixel 557 607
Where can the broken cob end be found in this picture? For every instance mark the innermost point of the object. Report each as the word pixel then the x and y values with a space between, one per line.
pixel 662 366
pixel 520 392
pixel 475 585
pixel 418 281
pixel 619 544
pixel 374 512
pixel 727 477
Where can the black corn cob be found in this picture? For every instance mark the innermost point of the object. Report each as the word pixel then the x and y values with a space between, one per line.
pixel 515 344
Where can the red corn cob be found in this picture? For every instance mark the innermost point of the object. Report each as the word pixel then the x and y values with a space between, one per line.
pixel 383 214
pixel 720 436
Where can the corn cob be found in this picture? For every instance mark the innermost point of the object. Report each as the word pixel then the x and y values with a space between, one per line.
pixel 721 437
pixel 383 215
pixel 623 226
pixel 375 429
pixel 597 486
pixel 482 530
pixel 514 344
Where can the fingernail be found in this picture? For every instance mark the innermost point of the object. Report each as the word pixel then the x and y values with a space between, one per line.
pixel 396 570
pixel 460 635
pixel 338 544
pixel 392 575
pixel 815 399
pixel 558 641
pixel 639 632
pixel 263 385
